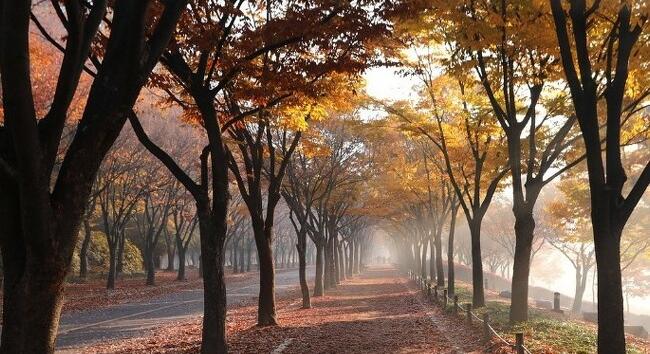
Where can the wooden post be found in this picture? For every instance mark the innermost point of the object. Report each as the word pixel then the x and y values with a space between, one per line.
pixel 428 290
pixel 444 299
pixel 556 301
pixel 486 327
pixel 435 293
pixel 455 304
pixel 469 313
pixel 519 343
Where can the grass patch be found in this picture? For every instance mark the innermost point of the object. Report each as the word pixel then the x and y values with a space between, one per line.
pixel 544 332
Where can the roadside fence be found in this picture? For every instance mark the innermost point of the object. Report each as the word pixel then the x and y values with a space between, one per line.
pixel 440 297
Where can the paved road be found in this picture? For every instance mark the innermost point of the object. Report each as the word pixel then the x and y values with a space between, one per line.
pixel 132 319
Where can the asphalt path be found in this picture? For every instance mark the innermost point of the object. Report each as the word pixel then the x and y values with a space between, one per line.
pixel 128 320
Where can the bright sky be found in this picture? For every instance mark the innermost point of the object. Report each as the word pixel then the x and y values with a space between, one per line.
pixel 386 83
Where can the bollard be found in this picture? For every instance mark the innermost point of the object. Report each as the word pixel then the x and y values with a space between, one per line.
pixel 486 327
pixel 469 313
pixel 556 301
pixel 444 299
pixel 519 343
pixel 455 304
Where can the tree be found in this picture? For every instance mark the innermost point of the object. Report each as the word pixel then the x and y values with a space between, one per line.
pixel 204 75
pixel 41 208
pixel 570 225
pixel 505 239
pixel 496 44
pixel 118 196
pixel 603 94
pixel 153 218
pixel 302 76
pixel 460 128
pixel 300 190
pixel 257 138
pixel 324 168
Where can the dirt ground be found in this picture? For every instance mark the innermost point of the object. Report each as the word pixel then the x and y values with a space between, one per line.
pixel 376 312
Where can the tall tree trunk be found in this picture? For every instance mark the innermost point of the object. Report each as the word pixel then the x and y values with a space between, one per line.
pixel 524 229
pixel 341 262
pixel 266 302
pixel 29 326
pixel 423 260
pixel 242 258
pixel 301 248
pixel 318 279
pixel 611 331
pixel 417 261
pixel 182 251
pixel 352 256
pixel 478 296
pixel 357 265
pixel 212 229
pixel 440 271
pixel 234 257
pixel 327 270
pixel 432 257
pixel 13 267
pixel 83 252
pixel 333 265
pixel 581 285
pixel 112 266
pixel 451 277
pixel 150 266
pixel 348 265
pixel 249 253
pixel 335 261
pixel 120 253
pixel 171 255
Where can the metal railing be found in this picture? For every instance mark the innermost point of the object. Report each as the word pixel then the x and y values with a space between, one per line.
pixel 488 331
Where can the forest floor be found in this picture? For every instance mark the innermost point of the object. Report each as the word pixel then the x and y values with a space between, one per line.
pixel 378 311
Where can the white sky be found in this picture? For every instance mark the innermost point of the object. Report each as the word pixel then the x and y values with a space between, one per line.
pixel 386 84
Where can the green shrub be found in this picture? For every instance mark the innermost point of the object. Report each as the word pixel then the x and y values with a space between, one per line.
pixel 99 256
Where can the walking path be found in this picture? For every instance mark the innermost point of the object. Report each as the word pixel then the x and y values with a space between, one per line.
pixel 376 312
pixel 81 329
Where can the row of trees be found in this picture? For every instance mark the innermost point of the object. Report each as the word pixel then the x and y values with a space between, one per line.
pixel 517 93
pixel 247 77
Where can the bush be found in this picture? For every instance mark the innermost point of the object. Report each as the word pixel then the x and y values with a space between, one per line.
pixel 99 255
pixel 133 262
